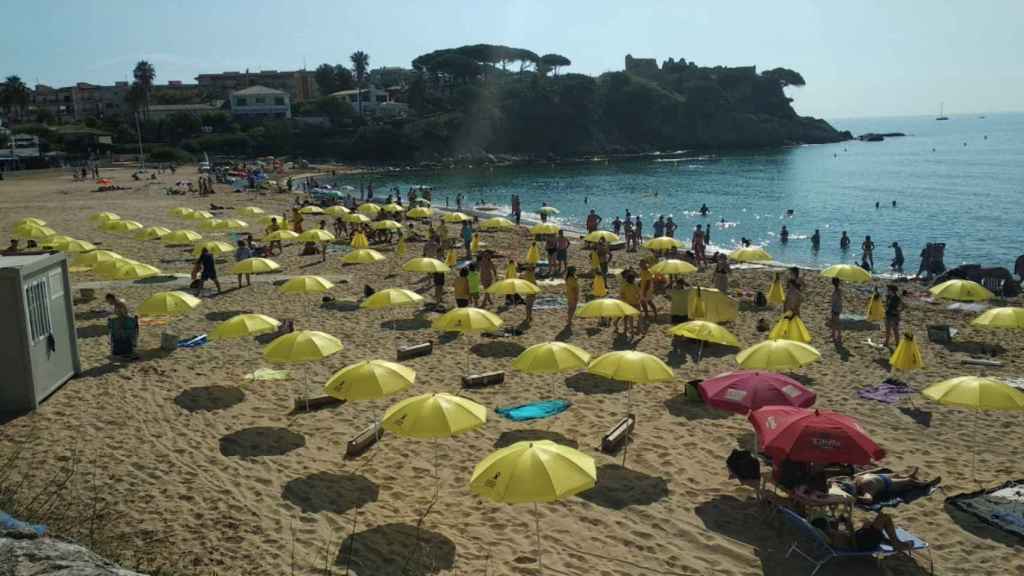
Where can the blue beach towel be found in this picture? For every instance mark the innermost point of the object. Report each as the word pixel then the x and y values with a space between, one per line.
pixel 193 342
pixel 894 500
pixel 8 522
pixel 534 411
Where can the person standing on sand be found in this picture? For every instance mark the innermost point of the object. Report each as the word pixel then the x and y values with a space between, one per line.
pixel 572 294
pixel 794 292
pixel 868 256
pixel 488 272
pixel 897 260
pixel 697 243
pixel 638 230
pixel 604 257
pixel 562 251
pixel 205 269
pixel 629 293
pixel 617 225
pixel 659 226
pixel 243 252
pixel 722 271
pixel 462 288
pixel 628 232
pixel 647 291
pixel 836 311
pixel 119 305
pixel 893 310
pixel 474 283
pixel 467 239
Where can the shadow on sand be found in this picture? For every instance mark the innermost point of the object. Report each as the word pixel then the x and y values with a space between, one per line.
pixel 328 492
pixel 531 435
pixel 593 384
pixel 261 441
pixel 209 398
pixel 397 550
pixel 619 487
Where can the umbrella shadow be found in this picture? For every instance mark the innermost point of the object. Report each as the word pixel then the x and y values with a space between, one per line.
pixel 921 416
pixel 397 550
pixel 209 398
pixel 531 435
pixel 731 517
pixel 564 335
pixel 261 441
pixel 163 279
pixel 975 348
pixel 857 325
pixel 585 383
pixel 223 315
pixel 618 487
pixel 497 349
pixel 405 324
pixel 340 306
pixel 682 406
pixel 804 379
pixel 978 527
pixel 328 492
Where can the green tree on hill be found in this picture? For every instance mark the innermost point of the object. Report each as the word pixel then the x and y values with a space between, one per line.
pixel 784 76
pixel 333 79
pixel 360 64
pixel 14 95
pixel 553 62
pixel 144 74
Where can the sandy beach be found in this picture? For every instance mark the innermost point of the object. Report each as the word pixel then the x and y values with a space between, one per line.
pixel 218 475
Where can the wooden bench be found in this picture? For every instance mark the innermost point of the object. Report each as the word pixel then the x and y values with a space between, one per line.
pixel 618 436
pixel 366 438
pixel 316 403
pixel 414 351
pixel 482 380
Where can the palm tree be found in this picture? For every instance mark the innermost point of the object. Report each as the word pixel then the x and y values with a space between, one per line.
pixel 14 94
pixel 144 74
pixel 360 64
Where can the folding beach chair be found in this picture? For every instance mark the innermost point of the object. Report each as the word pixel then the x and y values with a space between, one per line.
pixel 821 552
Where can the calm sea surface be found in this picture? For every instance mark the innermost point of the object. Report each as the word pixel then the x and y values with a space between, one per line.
pixel 959 181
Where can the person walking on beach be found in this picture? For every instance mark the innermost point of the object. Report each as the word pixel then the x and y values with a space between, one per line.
pixel 670 228
pixel 467 239
pixel 550 248
pixel 868 253
pixel 561 251
pixel 721 275
pixel 604 257
pixel 836 311
pixel 893 310
pixel 844 242
pixel 794 292
pixel 816 240
pixel 627 229
pixel 205 269
pixel 593 221
pixel 697 243
pixel 647 291
pixel 638 231
pixel 243 252
pixel 488 272
pixel 897 260
pixel 629 293
pixel 462 288
pixel 572 294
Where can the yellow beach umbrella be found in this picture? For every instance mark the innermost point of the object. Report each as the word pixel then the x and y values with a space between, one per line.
pixel 336 211
pixel 962 290
pixel 386 225
pixel 598 235
pixel 777 355
pixel 33 232
pixel 107 266
pixel 662 244
pixel 907 355
pixel 244 325
pixel 281 236
pixel 311 210
pixel 181 238
pixel 152 233
pixel 496 223
pixel 435 415
pixel 672 267
pixel 547 210
pixel 450 259
pixel 30 221
pixel 266 219
pixel 75 246
pixel 306 285
pixel 392 208
pixel 132 270
pixel 790 327
pixel 631 366
pixel 543 229
pixel 369 380
pixel 199 215
pixel 606 308
pixel 976 393
pixel 362 256
pixel 102 217
pixel 419 212
pixel 533 254
pixel 181 211
pixel 301 346
pixel 232 224
pixel 251 211
pixel 750 254
pixel 468 319
pixel 550 358
pixel 456 217
pixel 369 209
pixel 511 270
pixel 705 332
pixel 512 286
pixel 95 257
pixel 356 218
pixel 777 295
pixel 359 241
pixel 123 226
pixel 172 303
pixel 391 297
pixel 56 242
pixel 710 304
pixel 316 235
pixel 214 247
pixel 255 266
pixel 210 223
pixel 847 273
pixel 425 266
pixel 1007 317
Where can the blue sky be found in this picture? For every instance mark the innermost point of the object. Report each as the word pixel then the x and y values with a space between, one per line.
pixel 859 57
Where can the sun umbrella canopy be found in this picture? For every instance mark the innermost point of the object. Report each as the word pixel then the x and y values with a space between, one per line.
pixel 75 246
pixel 662 243
pixel 102 217
pixel 251 210
pixel 391 297
pixel 311 210
pixel 437 415
pixel 803 435
pixel 96 257
pixel 511 286
pixel 539 471
pixel 57 242
pixel 550 358
pixel 152 233
pixel 497 223
pixel 316 235
pixel 122 226
pixel 368 209
pixel 672 266
pixel 32 232
pixel 743 391
pixel 710 304
pixel 244 325
pixel 306 285
pixel 301 346
pixel 392 208
pixel 232 224
pixel 468 319
pixel 369 380
pixel 750 254
pixel 542 229
pixel 907 355
pixel 132 270
pixel 199 215
pixel 168 304
pixel 777 355
pixel 606 308
pixel 704 331
pixel 425 266
pixel 30 221
pixel 181 211
pixel 336 211
pixel 598 235
pixel 181 238
pixel 386 225
pixel 962 290
pixel 631 366
pixel 214 247
pixel 1007 317
pixel 790 327
pixel 456 217
pixel 255 266
pixel 420 212
pixel 977 393
pixel 362 256
pixel 356 218
pixel 847 273
pixel 281 236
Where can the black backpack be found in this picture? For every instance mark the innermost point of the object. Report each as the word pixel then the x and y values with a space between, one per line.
pixel 743 465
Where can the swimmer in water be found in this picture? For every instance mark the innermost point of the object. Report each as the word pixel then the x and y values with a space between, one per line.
pixel 704 210
pixel 784 235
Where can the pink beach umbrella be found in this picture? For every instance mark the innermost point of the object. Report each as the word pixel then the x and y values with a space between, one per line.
pixel 744 391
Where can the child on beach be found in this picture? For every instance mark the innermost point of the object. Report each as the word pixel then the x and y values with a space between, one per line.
pixel 462 288
pixel 572 294
pixel 647 291
pixel 836 311
pixel 893 309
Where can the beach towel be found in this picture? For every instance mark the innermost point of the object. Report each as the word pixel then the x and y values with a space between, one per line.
pixel 1001 507
pixel 549 302
pixel 534 411
pixel 973 307
pixel 8 522
pixel 890 391
pixel 194 342
pixel 1017 383
pixel 267 374
pixel 894 500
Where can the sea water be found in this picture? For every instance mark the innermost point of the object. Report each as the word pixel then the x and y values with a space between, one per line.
pixel 958 181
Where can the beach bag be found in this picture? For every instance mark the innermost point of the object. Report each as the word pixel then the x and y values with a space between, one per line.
pixel 743 465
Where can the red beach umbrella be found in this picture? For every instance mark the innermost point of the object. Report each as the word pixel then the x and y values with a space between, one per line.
pixel 745 390
pixel 803 435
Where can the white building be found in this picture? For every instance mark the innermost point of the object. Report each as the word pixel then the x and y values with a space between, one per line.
pixel 373 101
pixel 260 101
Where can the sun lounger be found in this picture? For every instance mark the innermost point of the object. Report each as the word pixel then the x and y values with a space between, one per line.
pixel 414 351
pixel 982 362
pixel 941 333
pixel 617 437
pixel 820 552
pixel 366 438
pixel 482 380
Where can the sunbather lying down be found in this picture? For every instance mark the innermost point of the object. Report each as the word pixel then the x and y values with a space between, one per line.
pixel 871 534
pixel 866 487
